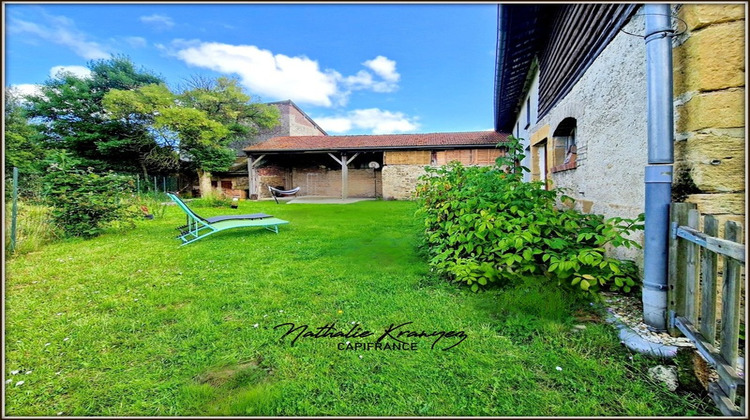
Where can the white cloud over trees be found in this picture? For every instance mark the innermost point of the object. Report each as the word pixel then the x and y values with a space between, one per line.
pixel 279 76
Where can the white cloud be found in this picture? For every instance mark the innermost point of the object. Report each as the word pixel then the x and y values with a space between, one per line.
pixel 375 120
pixel 158 21
pixel 78 71
pixel 335 124
pixel 62 31
pixel 384 68
pixel 279 76
pixel 26 89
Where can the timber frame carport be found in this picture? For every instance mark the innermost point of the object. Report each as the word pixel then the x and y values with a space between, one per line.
pixel 343 158
pixel 344 149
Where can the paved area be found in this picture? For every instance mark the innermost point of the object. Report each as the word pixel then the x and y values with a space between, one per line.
pixel 324 200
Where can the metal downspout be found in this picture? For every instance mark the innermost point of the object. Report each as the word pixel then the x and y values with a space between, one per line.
pixel 658 176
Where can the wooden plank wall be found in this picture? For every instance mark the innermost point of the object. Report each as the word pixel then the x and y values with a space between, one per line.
pixel 579 33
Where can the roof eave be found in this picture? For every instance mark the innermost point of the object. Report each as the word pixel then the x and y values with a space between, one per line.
pixel 374 149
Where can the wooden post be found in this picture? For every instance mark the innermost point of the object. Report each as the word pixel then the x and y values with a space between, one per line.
pixel 708 286
pixel 344 177
pixel 252 175
pixel 678 214
pixel 730 312
pixel 344 172
pixel 250 182
pixel 692 275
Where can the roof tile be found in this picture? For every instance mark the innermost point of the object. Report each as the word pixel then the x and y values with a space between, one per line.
pixel 385 141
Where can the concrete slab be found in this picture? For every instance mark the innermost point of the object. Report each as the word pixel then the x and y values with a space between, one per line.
pixel 325 200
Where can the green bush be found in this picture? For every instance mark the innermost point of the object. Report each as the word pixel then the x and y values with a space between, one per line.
pixel 486 225
pixel 84 202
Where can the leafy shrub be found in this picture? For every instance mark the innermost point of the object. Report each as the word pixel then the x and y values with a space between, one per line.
pixel 485 225
pixel 84 202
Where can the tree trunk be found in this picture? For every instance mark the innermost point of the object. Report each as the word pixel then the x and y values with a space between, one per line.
pixel 143 168
pixel 204 181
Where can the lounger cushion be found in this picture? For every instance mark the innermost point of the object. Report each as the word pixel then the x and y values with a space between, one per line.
pixel 238 217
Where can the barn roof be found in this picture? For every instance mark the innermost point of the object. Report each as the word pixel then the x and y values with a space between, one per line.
pixel 472 139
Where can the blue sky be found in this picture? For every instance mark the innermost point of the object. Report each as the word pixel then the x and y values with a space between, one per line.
pixel 354 68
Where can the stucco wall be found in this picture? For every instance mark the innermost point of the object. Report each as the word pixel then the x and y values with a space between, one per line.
pixel 609 105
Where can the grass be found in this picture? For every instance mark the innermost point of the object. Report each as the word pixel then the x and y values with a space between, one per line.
pixel 33 230
pixel 131 324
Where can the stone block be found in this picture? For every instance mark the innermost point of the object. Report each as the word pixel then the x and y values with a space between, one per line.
pixel 722 109
pixel 711 59
pixel 717 162
pixel 724 203
pixel 698 16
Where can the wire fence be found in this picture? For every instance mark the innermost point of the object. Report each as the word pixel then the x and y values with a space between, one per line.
pixel 27 220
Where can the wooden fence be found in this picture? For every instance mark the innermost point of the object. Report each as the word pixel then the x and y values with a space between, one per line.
pixel 693 297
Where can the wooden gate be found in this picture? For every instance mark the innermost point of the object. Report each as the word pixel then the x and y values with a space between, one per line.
pixel 693 298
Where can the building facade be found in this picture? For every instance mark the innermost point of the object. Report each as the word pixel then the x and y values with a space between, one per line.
pixel 571 81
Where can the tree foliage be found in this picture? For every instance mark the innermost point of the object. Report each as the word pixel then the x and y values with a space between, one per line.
pixel 198 123
pixel 73 117
pixel 22 148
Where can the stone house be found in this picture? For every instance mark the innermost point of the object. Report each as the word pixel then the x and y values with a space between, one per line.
pixel 571 81
pixel 384 166
pixel 293 121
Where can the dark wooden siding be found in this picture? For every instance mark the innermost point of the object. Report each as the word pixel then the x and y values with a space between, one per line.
pixel 579 34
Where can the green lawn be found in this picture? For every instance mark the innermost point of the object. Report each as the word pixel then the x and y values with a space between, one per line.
pixel 131 324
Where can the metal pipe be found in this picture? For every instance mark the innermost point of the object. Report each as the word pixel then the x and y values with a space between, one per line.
pixel 658 176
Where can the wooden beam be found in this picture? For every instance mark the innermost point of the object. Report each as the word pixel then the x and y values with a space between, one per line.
pixel 335 158
pixel 257 161
pixel 352 158
pixel 720 246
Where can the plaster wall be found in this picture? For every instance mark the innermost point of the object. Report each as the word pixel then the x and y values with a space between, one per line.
pixel 609 105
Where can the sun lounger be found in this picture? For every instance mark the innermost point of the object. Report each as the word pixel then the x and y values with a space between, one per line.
pixel 198 227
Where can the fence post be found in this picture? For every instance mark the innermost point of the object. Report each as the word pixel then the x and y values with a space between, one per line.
pixel 692 275
pixel 708 277
pixel 678 216
pixel 14 212
pixel 730 312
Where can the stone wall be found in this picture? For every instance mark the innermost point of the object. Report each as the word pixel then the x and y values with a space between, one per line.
pixel 709 88
pixel 400 181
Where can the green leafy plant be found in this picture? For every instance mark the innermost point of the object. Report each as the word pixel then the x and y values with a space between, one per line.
pixel 485 225
pixel 84 202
